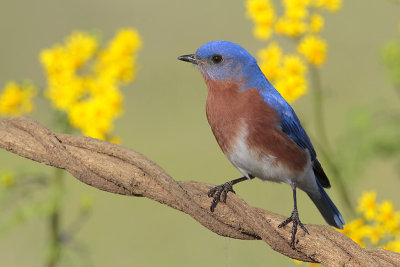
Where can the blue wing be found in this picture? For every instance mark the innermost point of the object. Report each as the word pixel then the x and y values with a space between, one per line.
pixel 291 126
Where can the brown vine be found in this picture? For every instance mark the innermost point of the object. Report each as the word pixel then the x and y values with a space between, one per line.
pixel 119 170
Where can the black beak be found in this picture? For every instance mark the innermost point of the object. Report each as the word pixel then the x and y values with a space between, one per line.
pixel 189 58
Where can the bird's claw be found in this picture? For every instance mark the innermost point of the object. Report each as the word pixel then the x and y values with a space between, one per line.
pixel 219 193
pixel 296 221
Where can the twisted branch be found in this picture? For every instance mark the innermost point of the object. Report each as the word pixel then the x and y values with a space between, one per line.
pixel 123 171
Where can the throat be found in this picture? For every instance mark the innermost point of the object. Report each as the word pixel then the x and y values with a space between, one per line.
pixel 225 111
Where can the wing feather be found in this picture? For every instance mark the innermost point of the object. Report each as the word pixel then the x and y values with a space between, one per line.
pixel 290 125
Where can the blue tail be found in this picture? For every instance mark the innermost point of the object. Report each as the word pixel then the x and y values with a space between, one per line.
pixel 326 207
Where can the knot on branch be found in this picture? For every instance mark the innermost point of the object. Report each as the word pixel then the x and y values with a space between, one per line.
pixel 119 170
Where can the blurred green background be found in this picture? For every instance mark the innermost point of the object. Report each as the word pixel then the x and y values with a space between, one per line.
pixel 165 120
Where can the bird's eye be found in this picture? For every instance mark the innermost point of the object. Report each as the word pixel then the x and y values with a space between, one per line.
pixel 216 59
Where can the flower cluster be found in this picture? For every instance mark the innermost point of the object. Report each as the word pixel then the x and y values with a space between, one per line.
pixel 378 226
pixel 301 20
pixel 83 79
pixel 296 20
pixel 16 99
pixel 287 72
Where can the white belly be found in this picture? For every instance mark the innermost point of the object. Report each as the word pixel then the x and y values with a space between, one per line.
pixel 267 167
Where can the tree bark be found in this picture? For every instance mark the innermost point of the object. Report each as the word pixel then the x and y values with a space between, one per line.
pixel 119 170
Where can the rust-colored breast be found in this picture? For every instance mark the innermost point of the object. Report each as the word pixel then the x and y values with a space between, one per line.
pixel 229 110
pixel 225 107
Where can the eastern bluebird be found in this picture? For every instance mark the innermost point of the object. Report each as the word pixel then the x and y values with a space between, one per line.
pixel 258 130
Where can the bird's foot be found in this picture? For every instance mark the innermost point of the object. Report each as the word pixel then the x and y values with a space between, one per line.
pixel 296 221
pixel 219 193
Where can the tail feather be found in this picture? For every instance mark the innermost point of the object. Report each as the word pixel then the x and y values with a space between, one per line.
pixel 326 207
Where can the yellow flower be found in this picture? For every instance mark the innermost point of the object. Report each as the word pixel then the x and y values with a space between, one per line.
pixel 291 82
pixel 94 116
pixel 293 65
pixel 256 6
pixel 262 33
pixel 316 23
pixel 80 47
pixel 355 231
pixel 115 139
pixel 55 60
pixel 385 212
pixel 296 9
pixel 373 232
pixel 91 118
pixel 314 49
pixel 291 87
pixel 84 81
pixel 393 245
pixel 270 60
pixel 260 10
pixel 393 225
pixel 61 63
pixel 367 205
pixel 331 5
pixel 116 62
pixel 7 179
pixel 290 27
pixel 286 73
pixel 65 90
pixel 16 100
pixel 383 222
pixel 292 23
pixel 263 15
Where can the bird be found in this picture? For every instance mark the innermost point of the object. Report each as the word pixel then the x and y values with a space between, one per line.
pixel 258 131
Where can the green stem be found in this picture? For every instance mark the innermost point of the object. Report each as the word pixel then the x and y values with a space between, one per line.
pixel 318 107
pixel 54 219
pixel 344 193
pixel 318 100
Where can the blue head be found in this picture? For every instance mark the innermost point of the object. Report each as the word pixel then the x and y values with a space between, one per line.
pixel 222 60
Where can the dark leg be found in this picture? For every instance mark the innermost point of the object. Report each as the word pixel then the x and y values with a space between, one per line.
pixel 295 219
pixel 224 189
